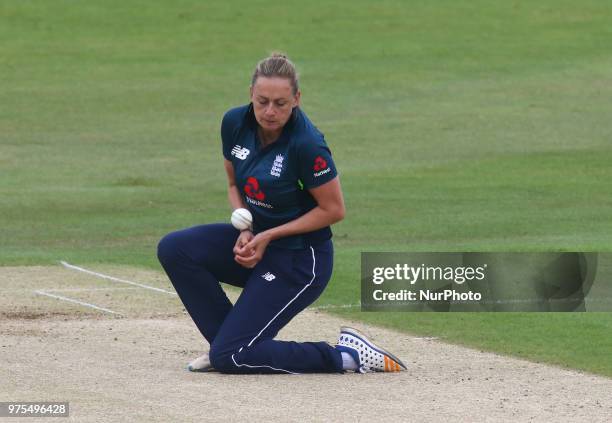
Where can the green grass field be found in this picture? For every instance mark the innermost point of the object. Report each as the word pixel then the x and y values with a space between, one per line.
pixel 481 126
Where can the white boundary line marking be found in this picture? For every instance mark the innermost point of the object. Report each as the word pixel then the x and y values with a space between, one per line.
pixel 127 288
pixel 71 300
pixel 111 278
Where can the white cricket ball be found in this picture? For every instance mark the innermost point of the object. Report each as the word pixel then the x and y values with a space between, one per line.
pixel 242 219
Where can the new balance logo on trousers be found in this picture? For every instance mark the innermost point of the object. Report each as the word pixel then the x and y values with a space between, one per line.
pixel 268 276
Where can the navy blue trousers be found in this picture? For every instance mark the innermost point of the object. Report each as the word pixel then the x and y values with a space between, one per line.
pixel 282 284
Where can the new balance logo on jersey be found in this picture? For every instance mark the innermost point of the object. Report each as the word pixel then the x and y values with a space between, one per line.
pixel 268 276
pixel 277 166
pixel 240 152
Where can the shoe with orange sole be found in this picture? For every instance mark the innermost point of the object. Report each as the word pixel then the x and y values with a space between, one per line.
pixel 369 356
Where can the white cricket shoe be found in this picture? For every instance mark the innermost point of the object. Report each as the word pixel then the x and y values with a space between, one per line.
pixel 369 356
pixel 200 364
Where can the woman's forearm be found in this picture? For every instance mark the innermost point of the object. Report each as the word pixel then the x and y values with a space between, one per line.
pixel 234 197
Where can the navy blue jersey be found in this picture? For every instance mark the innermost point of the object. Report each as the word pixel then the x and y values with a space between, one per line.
pixel 274 180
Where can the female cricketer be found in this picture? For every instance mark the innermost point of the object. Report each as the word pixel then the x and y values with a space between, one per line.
pixel 279 167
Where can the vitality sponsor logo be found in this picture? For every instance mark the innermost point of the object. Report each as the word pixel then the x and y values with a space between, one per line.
pixel 277 166
pixel 268 276
pixel 254 193
pixel 240 152
pixel 320 167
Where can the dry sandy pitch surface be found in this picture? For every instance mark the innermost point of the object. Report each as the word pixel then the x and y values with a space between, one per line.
pixel 130 366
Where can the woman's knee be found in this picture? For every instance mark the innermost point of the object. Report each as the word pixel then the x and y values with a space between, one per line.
pixel 221 358
pixel 168 247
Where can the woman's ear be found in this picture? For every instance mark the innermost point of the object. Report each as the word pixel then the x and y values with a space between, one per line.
pixel 296 98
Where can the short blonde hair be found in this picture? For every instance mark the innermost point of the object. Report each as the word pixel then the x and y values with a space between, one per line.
pixel 277 65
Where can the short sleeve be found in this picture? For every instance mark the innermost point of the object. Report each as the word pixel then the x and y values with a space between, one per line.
pixel 315 163
pixel 227 131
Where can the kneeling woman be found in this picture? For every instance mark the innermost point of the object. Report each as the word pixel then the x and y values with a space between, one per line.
pixel 280 168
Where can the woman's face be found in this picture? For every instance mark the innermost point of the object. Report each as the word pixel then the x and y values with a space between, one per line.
pixel 273 100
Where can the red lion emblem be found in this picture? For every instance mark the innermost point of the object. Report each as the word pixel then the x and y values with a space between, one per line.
pixel 252 190
pixel 319 164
